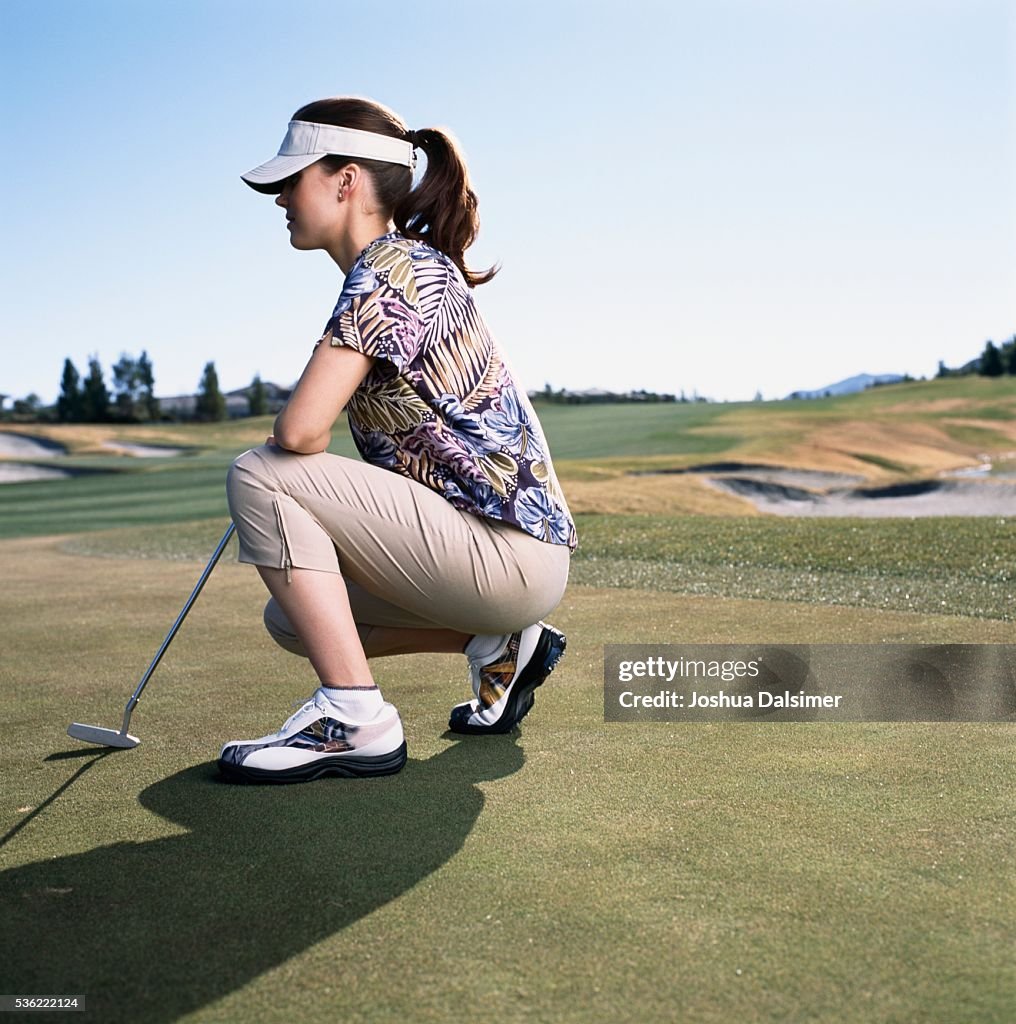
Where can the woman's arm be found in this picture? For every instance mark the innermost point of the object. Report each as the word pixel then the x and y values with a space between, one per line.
pixel 331 376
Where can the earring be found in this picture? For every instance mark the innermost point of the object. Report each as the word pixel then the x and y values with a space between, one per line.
pixel 340 195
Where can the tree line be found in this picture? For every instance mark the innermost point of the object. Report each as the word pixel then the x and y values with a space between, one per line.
pixel 994 361
pixel 598 396
pixel 90 401
pixel 132 400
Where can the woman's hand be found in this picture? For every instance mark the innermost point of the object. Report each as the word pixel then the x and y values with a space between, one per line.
pixel 326 385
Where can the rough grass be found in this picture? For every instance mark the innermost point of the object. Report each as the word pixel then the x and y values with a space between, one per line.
pixel 944 566
pixel 958 566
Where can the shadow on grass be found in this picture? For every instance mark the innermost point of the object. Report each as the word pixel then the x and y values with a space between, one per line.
pixel 66 756
pixel 155 930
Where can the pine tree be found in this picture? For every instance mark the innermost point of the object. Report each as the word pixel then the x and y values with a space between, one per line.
pixel 1009 355
pixel 211 403
pixel 991 361
pixel 146 382
pixel 257 397
pixel 95 397
pixel 69 406
pixel 125 387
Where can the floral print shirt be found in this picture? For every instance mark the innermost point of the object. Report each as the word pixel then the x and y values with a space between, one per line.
pixel 440 405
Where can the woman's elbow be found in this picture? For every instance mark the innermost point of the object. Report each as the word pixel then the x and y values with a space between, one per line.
pixel 302 442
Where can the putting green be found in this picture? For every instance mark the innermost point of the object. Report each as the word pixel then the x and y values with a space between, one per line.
pixel 577 871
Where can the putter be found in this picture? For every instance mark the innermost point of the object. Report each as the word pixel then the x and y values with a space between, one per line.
pixel 112 738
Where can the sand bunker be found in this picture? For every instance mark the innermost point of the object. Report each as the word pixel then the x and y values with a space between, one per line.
pixel 781 475
pixel 796 492
pixel 20 472
pixel 21 446
pixel 143 451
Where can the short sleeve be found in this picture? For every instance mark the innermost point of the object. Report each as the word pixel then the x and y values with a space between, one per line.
pixel 376 317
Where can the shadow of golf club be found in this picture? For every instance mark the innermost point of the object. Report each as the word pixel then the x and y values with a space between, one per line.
pixel 79 752
pixel 155 930
pixel 92 753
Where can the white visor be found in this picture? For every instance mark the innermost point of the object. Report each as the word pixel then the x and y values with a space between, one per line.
pixel 306 142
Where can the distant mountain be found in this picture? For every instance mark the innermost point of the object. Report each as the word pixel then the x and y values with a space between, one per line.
pixel 859 382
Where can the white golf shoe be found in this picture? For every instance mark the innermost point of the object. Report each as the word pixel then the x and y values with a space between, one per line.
pixel 314 742
pixel 504 683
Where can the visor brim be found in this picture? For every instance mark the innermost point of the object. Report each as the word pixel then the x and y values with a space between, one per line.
pixel 269 177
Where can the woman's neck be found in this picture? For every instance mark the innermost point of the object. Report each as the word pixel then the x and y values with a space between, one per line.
pixel 347 249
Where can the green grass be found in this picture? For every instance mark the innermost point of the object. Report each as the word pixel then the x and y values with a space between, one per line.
pixel 130 492
pixel 597 431
pixel 592 872
pixel 986 391
pixel 955 566
pixel 584 439
pixel 587 871
pixel 176 490
pixel 982 438
pixel 994 412
pixel 577 871
pixel 958 566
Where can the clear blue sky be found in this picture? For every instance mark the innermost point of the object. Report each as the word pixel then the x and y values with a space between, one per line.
pixel 723 196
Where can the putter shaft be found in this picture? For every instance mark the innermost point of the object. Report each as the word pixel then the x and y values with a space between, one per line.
pixel 212 562
pixel 97 733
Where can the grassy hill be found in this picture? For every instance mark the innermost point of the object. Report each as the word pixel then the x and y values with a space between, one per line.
pixel 893 433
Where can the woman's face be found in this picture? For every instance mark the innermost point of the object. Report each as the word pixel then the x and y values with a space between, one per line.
pixel 314 216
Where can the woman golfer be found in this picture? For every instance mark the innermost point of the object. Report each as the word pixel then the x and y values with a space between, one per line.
pixel 453 534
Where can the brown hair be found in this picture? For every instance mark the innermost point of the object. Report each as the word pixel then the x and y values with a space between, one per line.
pixel 441 210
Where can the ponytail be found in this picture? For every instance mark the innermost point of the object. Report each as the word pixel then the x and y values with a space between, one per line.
pixel 441 210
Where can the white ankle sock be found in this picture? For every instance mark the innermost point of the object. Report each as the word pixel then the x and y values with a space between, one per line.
pixel 485 646
pixel 354 703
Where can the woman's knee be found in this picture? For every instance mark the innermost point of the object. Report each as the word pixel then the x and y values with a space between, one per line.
pixel 244 470
pixel 246 483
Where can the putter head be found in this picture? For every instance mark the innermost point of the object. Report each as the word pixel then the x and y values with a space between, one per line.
pixel 104 737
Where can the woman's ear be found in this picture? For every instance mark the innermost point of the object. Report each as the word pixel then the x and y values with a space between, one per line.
pixel 348 178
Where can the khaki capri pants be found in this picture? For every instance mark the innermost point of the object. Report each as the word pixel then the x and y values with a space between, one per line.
pixel 409 558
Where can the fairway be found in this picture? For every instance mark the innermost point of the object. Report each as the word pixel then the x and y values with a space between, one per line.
pixel 576 870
